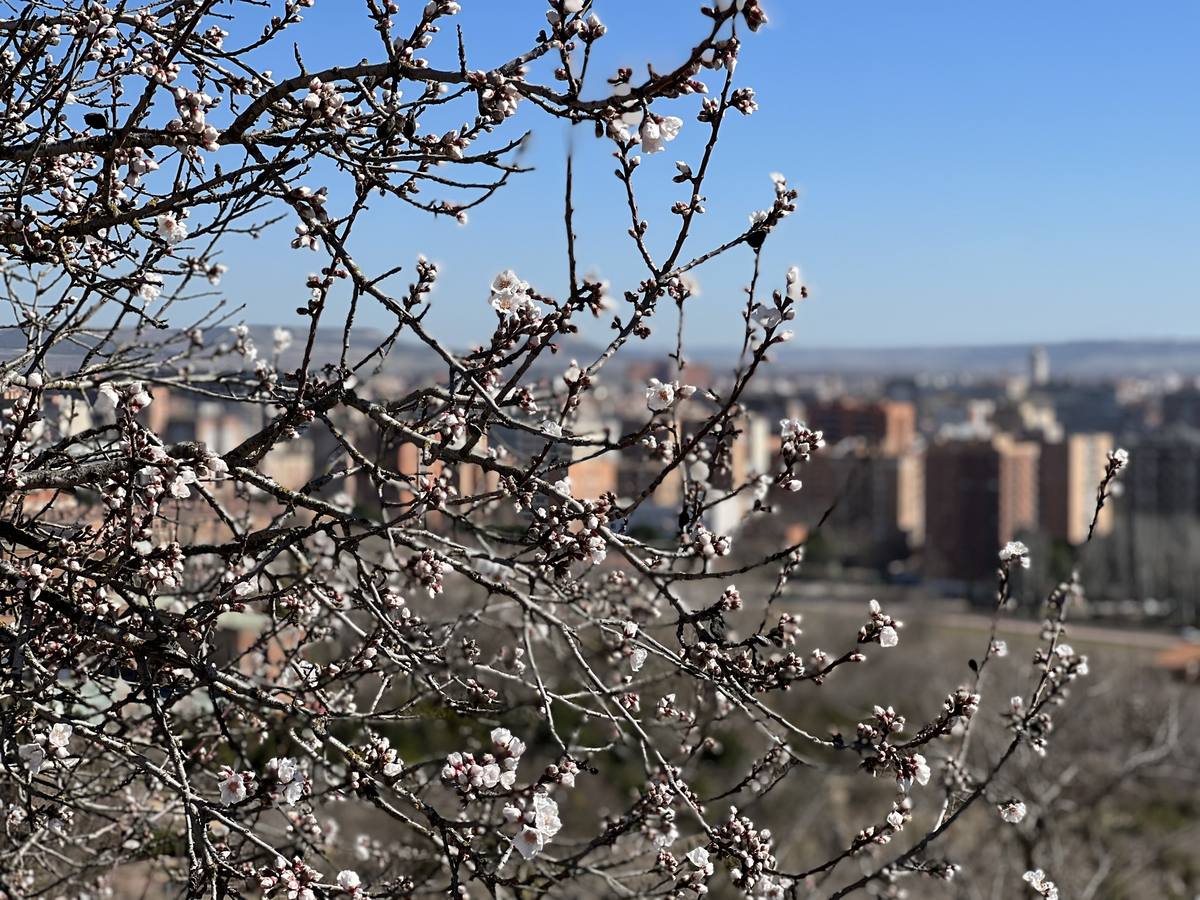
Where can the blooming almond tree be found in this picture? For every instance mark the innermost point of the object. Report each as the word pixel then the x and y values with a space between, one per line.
pixel 452 672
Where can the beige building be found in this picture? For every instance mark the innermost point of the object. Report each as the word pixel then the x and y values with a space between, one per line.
pixel 875 502
pixel 1069 472
pixel 887 425
pixel 593 475
pixel 898 496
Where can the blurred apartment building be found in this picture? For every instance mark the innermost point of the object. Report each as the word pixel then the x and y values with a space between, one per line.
pixel 865 489
pixel 632 472
pixel 1023 462
pixel 177 415
pixel 979 494
pixel 1182 407
pixel 1164 473
pixel 886 426
pixel 983 492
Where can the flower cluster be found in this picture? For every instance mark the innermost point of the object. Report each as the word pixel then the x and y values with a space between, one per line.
pixel 292 782
pixel 707 545
pixel 662 395
pixel 749 852
pixel 132 397
pixel 881 629
pixel 235 786
pixel 657 131
pixel 512 298
pixel 191 107
pixel 325 102
pixel 51 744
pixel 1040 884
pixel 1014 552
pixel 539 823
pixel 798 440
pixel 298 879
pixel 490 772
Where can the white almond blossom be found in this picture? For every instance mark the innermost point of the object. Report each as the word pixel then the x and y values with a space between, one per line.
pixel 657 131
pixel 1012 812
pixel 131 396
pixel 922 773
pixel 59 735
pixel 796 289
pixel 287 773
pixel 659 395
pixel 505 740
pixel 1038 881
pixel 510 295
pixel 281 339
pixel 170 228
pixel 151 287
pixel 1015 550
pixel 233 786
pixel 541 824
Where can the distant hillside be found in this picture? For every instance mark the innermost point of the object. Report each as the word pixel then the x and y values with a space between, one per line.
pixel 1073 359
pixel 1078 359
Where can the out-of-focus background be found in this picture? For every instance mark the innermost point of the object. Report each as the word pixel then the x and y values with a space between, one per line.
pixel 934 459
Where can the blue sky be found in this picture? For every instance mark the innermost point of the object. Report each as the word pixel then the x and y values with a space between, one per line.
pixel 970 173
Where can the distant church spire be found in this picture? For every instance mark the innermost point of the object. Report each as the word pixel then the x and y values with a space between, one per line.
pixel 1039 366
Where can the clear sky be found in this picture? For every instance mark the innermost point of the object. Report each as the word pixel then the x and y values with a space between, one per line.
pixel 970 173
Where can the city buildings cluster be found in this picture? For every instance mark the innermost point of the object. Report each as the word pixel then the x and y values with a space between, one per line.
pixel 921 477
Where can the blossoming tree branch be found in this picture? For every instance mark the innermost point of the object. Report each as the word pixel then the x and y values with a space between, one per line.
pixel 445 674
